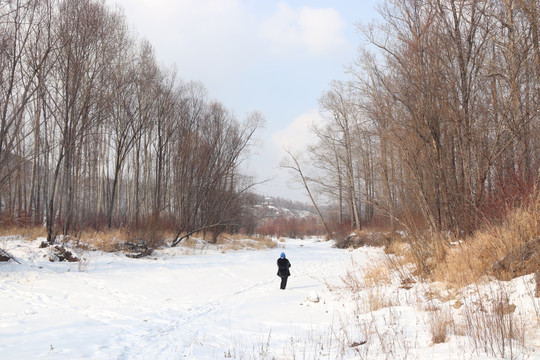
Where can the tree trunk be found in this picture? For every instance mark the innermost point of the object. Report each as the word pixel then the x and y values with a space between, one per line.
pixel 297 169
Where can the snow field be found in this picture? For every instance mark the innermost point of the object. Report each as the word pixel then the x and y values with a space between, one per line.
pixel 167 306
pixel 205 304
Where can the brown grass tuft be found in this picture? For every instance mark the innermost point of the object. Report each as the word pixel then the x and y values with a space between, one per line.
pixel 265 242
pixel 375 299
pixel 191 242
pixel 377 274
pixel 439 323
pixel 396 247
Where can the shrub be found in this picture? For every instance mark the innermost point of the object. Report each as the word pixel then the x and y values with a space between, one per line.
pixel 291 227
pixel 363 238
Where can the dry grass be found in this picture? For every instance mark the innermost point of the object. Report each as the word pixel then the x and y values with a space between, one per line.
pixel 377 274
pixel 375 299
pixel 460 262
pixel 110 240
pixel 492 325
pixel 396 247
pixel 366 286
pixel 265 242
pixel 440 322
pixel 191 242
pixel 30 233
pixel 475 257
pixel 357 278
pixel 237 242
pixel 486 317
pixel 103 240
pixel 352 282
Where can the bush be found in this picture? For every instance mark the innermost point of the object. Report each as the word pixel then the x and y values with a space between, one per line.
pixel 519 261
pixel 291 227
pixel 363 238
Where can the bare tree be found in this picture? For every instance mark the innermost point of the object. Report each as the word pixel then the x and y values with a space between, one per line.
pixel 344 116
pixel 84 31
pixel 94 132
pixel 25 45
pixel 436 124
pixel 294 165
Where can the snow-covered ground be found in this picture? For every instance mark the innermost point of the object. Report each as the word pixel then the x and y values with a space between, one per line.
pixel 208 304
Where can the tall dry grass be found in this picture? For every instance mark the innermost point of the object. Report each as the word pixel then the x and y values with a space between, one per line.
pixel 103 240
pixel 474 257
pixel 440 321
pixel 28 232
pixel 111 240
pixel 492 325
pixel 460 262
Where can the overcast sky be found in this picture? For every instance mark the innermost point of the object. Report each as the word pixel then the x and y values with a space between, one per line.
pixel 274 57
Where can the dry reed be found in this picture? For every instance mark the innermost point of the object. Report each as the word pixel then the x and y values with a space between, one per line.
pixel 475 256
pixel 28 232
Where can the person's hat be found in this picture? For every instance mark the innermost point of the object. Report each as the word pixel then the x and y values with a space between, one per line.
pixel 282 254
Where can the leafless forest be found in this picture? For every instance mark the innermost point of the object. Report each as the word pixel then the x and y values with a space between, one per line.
pixel 437 127
pixel 93 133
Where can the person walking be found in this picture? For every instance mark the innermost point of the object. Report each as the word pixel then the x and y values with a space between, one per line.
pixel 283 270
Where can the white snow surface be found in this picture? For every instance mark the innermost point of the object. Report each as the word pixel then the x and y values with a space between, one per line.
pixel 208 304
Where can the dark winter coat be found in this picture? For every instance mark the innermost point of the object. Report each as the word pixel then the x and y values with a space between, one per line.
pixel 283 267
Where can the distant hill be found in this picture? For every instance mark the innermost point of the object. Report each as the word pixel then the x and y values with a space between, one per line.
pixel 276 207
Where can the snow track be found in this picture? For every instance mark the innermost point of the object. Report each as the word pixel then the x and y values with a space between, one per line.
pixel 168 306
pixel 217 323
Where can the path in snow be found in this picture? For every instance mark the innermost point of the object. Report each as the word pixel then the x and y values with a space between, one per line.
pixel 203 305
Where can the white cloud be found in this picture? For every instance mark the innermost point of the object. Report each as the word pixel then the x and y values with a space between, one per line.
pixel 317 30
pixel 297 135
pixel 190 12
pixel 193 33
pixel 270 56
